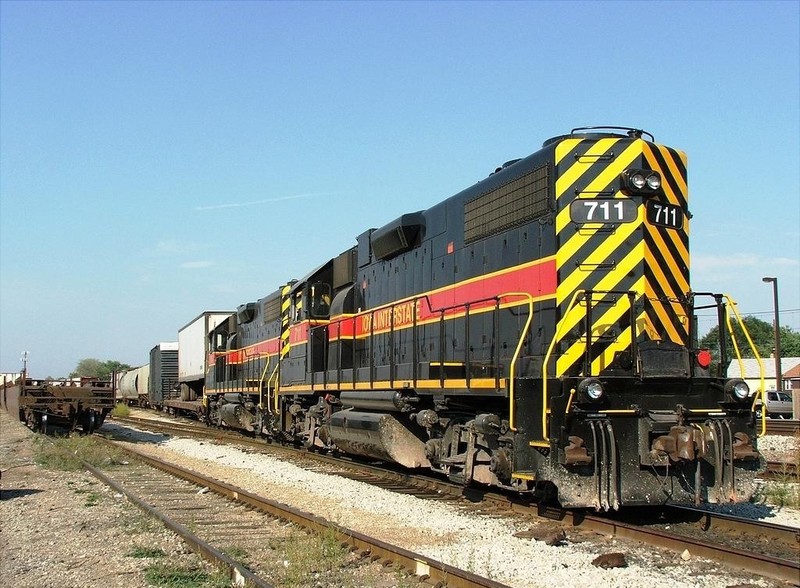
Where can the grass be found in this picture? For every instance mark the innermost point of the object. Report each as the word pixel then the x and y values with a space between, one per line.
pixel 69 453
pixel 141 552
pixel 92 498
pixel 303 558
pixel 237 553
pixel 163 575
pixel 120 410
pixel 784 489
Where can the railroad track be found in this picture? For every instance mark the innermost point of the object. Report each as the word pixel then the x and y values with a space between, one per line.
pixel 198 508
pixel 689 531
pixel 782 427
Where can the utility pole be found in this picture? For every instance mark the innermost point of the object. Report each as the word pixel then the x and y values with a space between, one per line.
pixel 25 364
pixel 777 326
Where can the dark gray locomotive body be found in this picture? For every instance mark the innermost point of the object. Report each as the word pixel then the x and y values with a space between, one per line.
pixel 533 332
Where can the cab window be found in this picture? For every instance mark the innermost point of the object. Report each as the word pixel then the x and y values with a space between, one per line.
pixel 320 297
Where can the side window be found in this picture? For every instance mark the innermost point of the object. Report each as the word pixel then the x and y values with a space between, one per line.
pixel 772 395
pixel 297 307
pixel 320 296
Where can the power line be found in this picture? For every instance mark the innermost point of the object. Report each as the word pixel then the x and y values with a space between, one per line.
pixel 769 312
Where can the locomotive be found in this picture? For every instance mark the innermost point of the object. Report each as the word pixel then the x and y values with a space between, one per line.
pixel 534 332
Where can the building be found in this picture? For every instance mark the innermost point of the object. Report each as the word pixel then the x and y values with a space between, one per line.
pixel 789 366
pixel 791 378
pixel 9 378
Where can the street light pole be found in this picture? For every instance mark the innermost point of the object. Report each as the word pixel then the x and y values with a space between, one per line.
pixel 778 374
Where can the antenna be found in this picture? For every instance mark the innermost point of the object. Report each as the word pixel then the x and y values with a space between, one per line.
pixel 24 359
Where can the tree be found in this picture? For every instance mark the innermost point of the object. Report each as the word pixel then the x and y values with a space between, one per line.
pixel 94 368
pixel 763 335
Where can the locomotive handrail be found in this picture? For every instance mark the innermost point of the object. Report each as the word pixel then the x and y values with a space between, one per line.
pixel 577 298
pixel 261 383
pixel 760 392
pixel 442 312
pixel 276 374
pixel 556 337
pixel 512 367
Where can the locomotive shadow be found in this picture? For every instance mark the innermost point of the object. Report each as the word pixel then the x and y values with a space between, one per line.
pixel 134 435
pixel 12 493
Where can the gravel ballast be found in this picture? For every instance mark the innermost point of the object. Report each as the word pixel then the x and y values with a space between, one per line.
pixel 484 545
pixel 50 537
pixel 66 529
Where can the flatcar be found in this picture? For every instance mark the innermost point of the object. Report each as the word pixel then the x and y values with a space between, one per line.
pixel 534 332
pixel 58 405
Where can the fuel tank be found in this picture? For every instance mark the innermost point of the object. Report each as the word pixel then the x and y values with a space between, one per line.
pixel 376 435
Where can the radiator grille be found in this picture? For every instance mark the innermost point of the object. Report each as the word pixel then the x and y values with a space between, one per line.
pixel 509 205
pixel 272 309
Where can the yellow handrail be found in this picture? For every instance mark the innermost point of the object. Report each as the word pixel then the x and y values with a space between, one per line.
pixel 556 337
pixel 512 369
pixel 760 393
pixel 261 383
pixel 276 374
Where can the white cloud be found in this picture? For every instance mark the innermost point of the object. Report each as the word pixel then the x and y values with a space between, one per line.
pixel 265 201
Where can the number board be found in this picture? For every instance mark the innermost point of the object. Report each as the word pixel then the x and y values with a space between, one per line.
pixel 596 210
pixel 664 215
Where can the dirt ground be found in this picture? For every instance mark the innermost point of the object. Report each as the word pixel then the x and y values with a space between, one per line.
pixel 66 529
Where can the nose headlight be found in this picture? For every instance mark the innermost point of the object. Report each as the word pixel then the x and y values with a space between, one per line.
pixel 642 182
pixel 738 389
pixel 638 181
pixel 591 389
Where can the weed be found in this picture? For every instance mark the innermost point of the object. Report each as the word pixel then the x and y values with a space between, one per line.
pixel 784 488
pixel 120 410
pixel 92 499
pixel 134 522
pixel 162 575
pixel 142 552
pixel 69 453
pixel 238 553
pixel 306 558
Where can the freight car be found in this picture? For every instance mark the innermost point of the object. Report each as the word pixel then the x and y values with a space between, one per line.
pixel 58 405
pixel 154 384
pixel 133 385
pixel 534 332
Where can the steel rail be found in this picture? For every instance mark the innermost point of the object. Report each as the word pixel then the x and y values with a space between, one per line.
pixel 239 574
pixel 760 564
pixel 789 536
pixel 782 426
pixel 429 570
pixel 765 565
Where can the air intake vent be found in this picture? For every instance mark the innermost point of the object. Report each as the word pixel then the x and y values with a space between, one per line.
pixel 398 236
pixel 509 205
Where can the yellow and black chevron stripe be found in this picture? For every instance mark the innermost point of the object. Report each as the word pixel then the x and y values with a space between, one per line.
pixel 286 306
pixel 667 250
pixel 613 259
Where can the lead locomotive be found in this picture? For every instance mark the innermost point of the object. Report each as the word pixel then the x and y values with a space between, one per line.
pixel 534 332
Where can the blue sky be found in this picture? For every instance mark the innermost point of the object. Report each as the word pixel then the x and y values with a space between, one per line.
pixel 159 159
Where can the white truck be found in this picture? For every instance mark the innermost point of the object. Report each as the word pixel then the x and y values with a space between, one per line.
pixel 778 404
